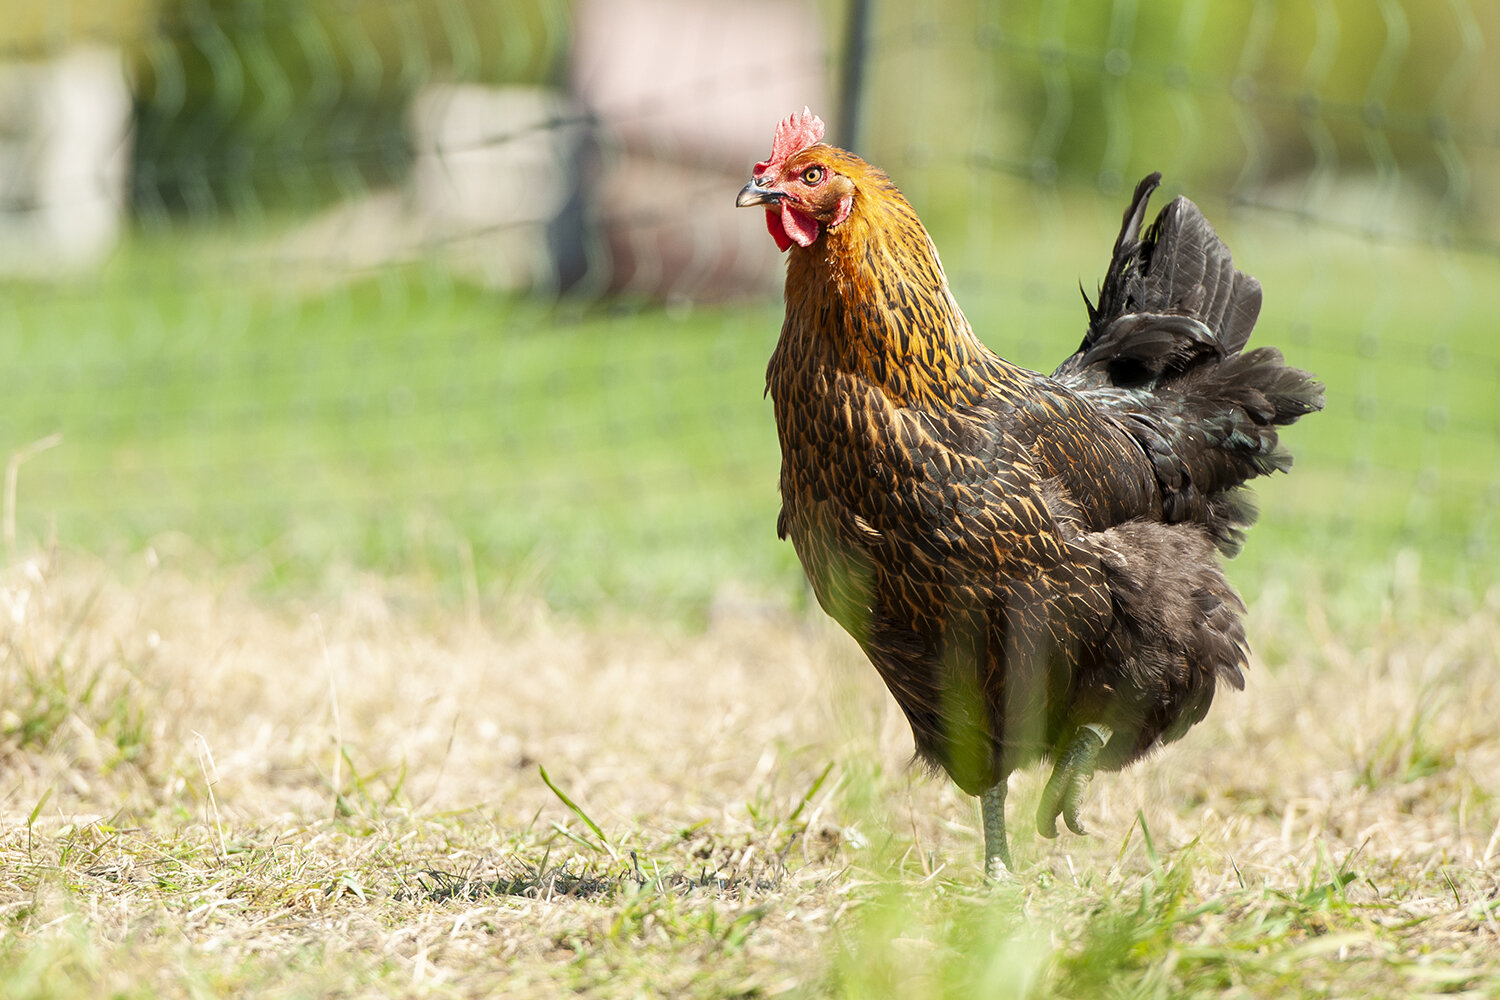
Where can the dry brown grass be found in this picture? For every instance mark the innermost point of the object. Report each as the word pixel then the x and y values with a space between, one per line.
pixel 207 793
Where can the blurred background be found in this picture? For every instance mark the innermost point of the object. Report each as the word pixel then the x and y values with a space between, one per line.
pixel 454 289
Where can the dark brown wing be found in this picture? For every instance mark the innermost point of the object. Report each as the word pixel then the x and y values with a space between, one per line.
pixel 1081 448
pixel 938 544
pixel 969 511
pixel 947 499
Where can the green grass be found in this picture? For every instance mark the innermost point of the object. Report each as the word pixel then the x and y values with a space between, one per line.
pixel 407 425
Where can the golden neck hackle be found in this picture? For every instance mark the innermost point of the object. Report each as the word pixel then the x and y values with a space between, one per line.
pixel 870 297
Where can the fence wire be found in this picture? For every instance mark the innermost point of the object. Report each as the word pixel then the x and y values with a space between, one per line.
pixel 457 287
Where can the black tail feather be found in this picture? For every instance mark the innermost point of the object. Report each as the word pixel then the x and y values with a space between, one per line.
pixel 1127 245
pixel 1171 297
pixel 1165 351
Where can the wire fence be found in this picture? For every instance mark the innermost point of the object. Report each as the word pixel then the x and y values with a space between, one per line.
pixel 457 287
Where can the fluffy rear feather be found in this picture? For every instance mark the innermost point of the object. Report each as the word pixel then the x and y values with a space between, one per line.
pixel 1164 353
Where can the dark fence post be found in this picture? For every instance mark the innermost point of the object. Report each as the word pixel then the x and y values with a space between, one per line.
pixel 852 72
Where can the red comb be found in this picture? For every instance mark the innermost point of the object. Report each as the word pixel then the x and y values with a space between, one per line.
pixel 794 133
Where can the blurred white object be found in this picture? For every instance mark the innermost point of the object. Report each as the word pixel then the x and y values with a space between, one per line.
pixel 698 82
pixel 64 149
pixel 495 167
pixel 494 171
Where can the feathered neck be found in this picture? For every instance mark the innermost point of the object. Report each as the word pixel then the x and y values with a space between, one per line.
pixel 870 297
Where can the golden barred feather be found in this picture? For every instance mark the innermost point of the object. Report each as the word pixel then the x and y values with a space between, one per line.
pixel 1016 553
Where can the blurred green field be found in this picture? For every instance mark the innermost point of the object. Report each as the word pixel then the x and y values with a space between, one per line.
pixel 607 456
pixel 405 425
pixel 623 458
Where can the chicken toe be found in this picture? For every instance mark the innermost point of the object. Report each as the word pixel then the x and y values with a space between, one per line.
pixel 1070 780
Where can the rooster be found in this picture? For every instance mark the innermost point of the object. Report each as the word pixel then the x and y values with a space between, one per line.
pixel 1028 561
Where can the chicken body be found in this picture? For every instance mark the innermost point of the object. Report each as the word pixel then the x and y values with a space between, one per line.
pixel 1028 561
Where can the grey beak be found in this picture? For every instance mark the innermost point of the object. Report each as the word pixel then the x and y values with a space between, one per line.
pixel 754 194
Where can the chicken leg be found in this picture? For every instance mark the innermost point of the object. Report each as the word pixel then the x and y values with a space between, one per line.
pixel 1070 780
pixel 996 851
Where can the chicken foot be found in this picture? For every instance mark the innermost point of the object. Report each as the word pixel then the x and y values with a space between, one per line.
pixel 996 851
pixel 1070 780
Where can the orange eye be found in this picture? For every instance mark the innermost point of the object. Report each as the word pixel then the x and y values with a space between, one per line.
pixel 812 175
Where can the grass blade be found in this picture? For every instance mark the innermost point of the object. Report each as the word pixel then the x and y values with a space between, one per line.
pixel 577 811
pixel 810 793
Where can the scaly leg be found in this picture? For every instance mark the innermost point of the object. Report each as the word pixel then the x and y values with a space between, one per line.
pixel 996 852
pixel 1070 780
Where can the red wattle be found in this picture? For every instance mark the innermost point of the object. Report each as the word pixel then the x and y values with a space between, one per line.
pixel 778 233
pixel 798 224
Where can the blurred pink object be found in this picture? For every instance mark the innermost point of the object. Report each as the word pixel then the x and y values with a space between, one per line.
pixel 683 93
